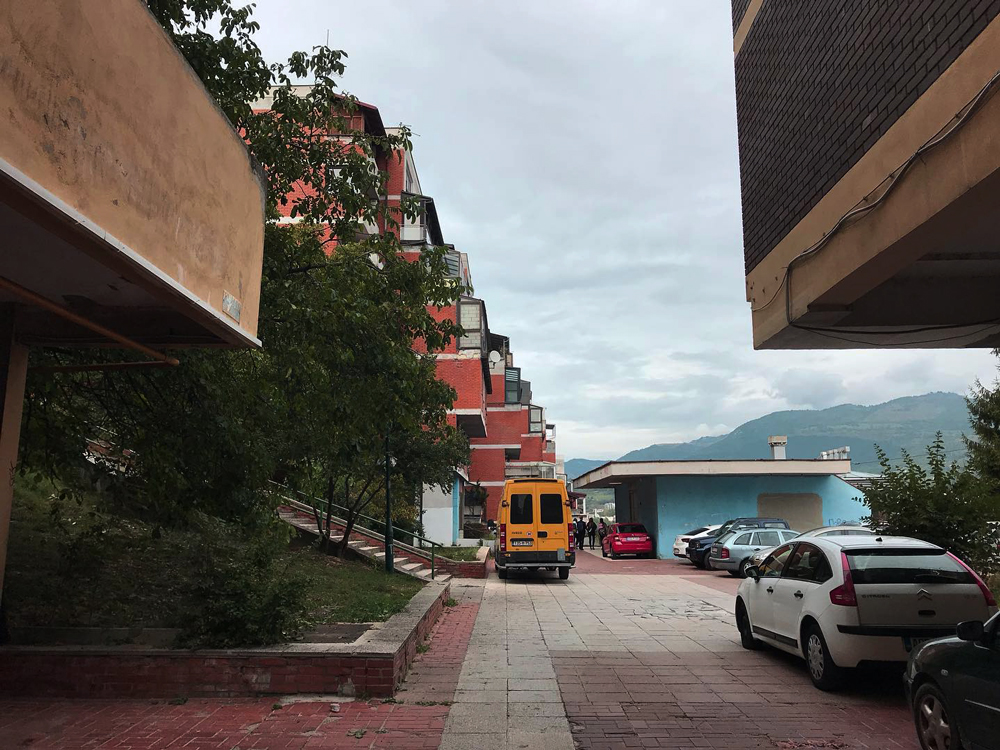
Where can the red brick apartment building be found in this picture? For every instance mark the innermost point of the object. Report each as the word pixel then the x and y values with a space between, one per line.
pixel 493 407
pixel 870 170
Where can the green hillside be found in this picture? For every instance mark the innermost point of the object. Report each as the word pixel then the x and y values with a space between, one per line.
pixel 901 424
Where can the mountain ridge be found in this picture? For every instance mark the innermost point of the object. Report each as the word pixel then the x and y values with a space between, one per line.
pixel 908 423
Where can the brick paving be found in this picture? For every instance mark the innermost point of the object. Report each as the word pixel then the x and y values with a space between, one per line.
pixel 416 723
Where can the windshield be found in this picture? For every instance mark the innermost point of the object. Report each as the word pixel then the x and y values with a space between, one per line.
pixel 906 566
pixel 631 528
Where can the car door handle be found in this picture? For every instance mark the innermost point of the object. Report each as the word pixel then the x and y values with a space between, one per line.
pixel 770 589
pixel 798 594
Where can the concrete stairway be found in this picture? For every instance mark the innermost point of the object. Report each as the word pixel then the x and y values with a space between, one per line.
pixel 366 544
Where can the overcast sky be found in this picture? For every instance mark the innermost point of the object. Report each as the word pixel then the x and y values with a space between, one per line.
pixel 584 155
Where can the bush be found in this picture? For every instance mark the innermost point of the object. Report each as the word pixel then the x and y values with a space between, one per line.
pixel 245 593
pixel 946 505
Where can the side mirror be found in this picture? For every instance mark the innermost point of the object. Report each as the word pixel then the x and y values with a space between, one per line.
pixel 971 630
pixel 753 573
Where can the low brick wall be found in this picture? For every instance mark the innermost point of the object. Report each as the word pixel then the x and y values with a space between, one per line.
pixel 460 568
pixel 375 665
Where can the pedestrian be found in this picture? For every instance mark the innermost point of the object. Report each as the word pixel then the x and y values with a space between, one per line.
pixel 581 531
pixel 602 531
pixel 591 531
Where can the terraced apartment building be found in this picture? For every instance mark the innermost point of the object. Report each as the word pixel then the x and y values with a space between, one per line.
pixel 869 137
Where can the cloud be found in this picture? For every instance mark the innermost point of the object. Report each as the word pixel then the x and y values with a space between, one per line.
pixel 584 154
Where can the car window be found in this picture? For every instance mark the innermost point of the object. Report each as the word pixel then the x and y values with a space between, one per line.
pixel 551 508
pixel 808 563
pixel 789 535
pixel 774 525
pixel 631 528
pixel 906 566
pixel 768 538
pixel 696 531
pixel 521 509
pixel 743 539
pixel 775 562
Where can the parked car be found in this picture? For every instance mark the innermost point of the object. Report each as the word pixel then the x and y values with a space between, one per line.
pixel 844 530
pixel 681 541
pixel 838 601
pixel 953 686
pixel 699 547
pixel 734 551
pixel 627 539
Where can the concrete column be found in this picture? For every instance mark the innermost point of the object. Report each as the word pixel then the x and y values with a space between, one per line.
pixel 13 369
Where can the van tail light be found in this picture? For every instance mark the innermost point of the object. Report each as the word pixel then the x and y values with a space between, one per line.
pixel 844 594
pixel 987 594
pixel 725 553
pixel 503 537
pixel 572 536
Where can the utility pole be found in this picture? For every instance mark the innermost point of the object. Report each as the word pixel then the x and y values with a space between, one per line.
pixel 389 561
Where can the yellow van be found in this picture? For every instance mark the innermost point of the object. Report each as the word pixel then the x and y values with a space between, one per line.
pixel 535 527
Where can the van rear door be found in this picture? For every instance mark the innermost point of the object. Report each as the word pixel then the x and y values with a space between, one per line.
pixel 521 519
pixel 552 527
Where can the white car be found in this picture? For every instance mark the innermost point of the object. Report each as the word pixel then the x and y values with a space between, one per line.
pixel 681 540
pixel 843 530
pixel 841 600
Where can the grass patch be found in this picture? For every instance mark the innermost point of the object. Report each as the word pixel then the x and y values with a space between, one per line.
pixel 462 554
pixel 69 565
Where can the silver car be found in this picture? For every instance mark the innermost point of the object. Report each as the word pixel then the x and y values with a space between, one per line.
pixel 734 551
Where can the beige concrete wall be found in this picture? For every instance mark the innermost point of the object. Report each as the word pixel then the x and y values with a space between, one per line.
pixel 935 181
pixel 101 110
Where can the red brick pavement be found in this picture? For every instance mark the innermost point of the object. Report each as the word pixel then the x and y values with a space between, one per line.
pixel 254 724
pixel 747 700
pixel 588 561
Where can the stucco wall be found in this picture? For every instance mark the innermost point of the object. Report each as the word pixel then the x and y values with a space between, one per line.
pixel 637 501
pixel 103 112
pixel 440 513
pixel 685 503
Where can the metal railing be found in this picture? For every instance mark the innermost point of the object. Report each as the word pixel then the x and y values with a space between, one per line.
pixel 319 505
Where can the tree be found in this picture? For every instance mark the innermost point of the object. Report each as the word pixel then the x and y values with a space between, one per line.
pixel 338 368
pixel 943 504
pixel 984 447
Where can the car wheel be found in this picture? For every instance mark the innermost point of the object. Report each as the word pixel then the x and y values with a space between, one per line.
pixel 744 566
pixel 698 562
pixel 708 562
pixel 823 672
pixel 746 633
pixel 932 719
pixel 564 573
pixel 501 573
pixel 614 555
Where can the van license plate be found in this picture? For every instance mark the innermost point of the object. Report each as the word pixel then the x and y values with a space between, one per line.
pixel 911 643
pixel 520 543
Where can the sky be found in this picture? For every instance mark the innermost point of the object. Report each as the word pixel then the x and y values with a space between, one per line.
pixel 584 155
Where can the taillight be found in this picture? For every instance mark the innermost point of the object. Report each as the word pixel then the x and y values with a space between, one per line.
pixel 844 594
pixel 503 537
pixel 572 536
pixel 725 553
pixel 987 594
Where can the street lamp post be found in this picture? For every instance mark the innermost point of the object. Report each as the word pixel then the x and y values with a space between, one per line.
pixel 389 561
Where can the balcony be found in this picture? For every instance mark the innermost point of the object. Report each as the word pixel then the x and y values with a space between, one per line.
pixel 127 201
pixel 527 469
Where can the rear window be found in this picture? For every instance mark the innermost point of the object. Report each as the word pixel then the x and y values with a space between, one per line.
pixel 521 509
pixel 631 528
pixel 696 531
pixel 905 566
pixel 551 508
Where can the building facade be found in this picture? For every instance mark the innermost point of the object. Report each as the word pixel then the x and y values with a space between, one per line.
pixel 869 164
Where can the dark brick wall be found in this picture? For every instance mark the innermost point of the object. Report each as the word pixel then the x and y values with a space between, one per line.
pixel 739 10
pixel 818 83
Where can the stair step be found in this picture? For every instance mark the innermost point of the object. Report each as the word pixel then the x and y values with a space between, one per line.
pixel 366 548
pixel 412 567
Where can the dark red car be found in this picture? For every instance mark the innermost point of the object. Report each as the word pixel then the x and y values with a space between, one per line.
pixel 627 539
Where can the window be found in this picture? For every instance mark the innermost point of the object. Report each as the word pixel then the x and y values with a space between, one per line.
pixel 775 562
pixel 551 509
pixel 696 531
pixel 512 385
pixel 787 536
pixel 768 538
pixel 470 317
pixel 631 528
pixel 536 421
pixel 521 509
pixel 906 566
pixel 774 525
pixel 742 540
pixel 808 563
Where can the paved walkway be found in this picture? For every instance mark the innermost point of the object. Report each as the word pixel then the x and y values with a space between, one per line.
pixel 604 661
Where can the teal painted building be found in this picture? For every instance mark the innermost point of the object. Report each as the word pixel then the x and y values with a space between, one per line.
pixel 673 497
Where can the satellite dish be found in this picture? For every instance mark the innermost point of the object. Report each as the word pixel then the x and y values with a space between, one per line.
pixel 494 357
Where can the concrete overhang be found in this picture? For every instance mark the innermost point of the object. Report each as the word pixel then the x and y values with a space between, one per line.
pixel 922 268
pixel 621 472
pixel 126 197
